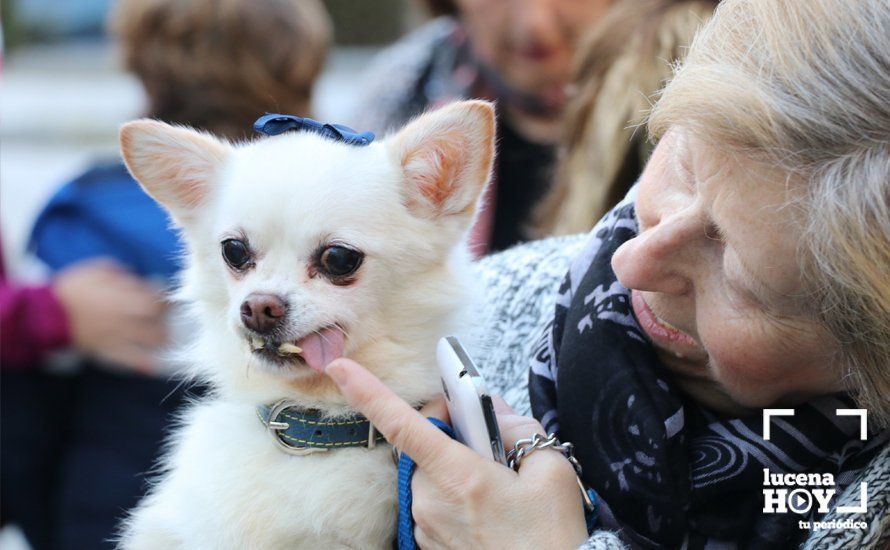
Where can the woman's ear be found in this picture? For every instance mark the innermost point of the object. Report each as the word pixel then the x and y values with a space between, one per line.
pixel 174 164
pixel 446 157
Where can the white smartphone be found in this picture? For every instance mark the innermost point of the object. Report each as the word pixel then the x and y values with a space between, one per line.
pixel 469 402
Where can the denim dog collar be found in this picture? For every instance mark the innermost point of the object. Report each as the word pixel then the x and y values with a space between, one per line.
pixel 273 124
pixel 299 431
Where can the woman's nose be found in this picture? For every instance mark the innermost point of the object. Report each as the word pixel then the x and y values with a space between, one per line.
pixel 537 19
pixel 661 258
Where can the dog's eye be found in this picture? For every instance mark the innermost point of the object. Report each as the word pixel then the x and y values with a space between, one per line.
pixel 339 261
pixel 235 253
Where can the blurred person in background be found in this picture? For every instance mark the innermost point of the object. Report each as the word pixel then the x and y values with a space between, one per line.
pixel 517 52
pixel 623 62
pixel 74 458
pixel 95 307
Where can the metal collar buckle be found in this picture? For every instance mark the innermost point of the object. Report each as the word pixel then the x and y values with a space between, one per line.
pixel 274 427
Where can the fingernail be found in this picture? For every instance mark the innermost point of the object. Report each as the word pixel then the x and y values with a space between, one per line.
pixel 335 371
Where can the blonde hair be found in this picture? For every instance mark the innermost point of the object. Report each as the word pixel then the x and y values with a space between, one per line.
pixel 805 86
pixel 622 62
pixel 219 64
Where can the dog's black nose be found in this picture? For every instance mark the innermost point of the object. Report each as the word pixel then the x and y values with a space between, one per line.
pixel 263 313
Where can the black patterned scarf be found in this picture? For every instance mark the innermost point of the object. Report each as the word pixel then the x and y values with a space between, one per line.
pixel 669 473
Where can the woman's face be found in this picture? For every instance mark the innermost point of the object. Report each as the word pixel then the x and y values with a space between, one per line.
pixel 716 283
pixel 530 43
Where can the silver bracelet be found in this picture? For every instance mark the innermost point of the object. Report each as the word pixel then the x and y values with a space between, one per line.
pixel 525 447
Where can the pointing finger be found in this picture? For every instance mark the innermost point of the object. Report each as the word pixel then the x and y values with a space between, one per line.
pixel 404 427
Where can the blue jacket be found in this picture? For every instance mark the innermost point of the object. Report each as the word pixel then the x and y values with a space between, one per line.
pixel 104 212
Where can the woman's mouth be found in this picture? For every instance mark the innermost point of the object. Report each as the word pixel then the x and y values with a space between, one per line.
pixel 660 331
pixel 536 53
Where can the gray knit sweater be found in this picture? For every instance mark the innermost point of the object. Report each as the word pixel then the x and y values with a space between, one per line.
pixel 520 290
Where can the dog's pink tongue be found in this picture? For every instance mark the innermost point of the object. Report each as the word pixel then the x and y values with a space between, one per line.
pixel 322 347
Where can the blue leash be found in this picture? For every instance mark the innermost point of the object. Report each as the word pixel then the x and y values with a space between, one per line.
pixel 406 474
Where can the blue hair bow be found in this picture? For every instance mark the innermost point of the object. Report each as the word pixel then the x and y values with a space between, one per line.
pixel 273 124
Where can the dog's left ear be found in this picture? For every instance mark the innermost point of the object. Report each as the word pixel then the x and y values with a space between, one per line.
pixel 174 164
pixel 446 157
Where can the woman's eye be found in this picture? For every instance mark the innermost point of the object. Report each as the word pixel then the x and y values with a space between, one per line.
pixel 339 261
pixel 235 253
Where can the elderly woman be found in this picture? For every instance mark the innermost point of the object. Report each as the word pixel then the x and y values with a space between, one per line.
pixel 747 270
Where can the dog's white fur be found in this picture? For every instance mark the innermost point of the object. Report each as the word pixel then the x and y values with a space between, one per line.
pixel 406 202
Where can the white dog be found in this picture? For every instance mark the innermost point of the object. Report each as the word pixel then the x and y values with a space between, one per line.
pixel 302 249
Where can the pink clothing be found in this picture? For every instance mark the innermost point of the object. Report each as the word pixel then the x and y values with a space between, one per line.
pixel 32 323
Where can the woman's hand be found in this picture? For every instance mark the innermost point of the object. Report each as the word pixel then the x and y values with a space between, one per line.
pixel 461 499
pixel 113 315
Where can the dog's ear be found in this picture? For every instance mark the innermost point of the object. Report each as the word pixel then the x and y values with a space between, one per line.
pixel 174 164
pixel 446 157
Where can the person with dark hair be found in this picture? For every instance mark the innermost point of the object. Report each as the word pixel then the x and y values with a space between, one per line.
pixel 518 53
pixel 622 63
pixel 217 66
